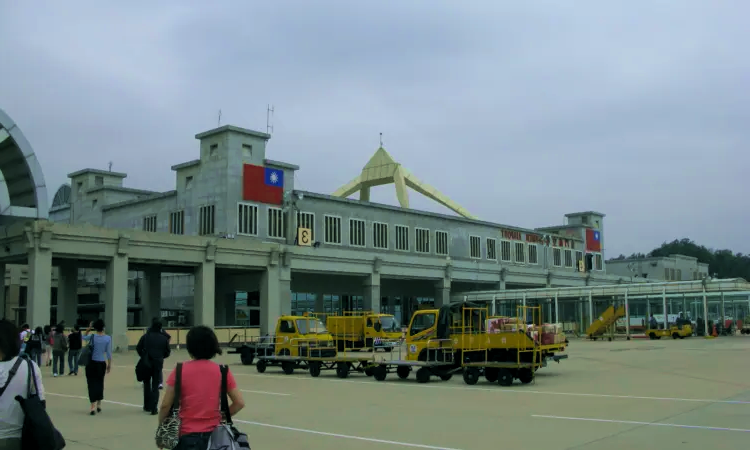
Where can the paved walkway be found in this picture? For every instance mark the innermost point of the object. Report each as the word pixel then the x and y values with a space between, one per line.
pixel 687 394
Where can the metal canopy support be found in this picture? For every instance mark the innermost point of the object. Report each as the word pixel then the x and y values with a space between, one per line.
pixel 664 307
pixel 557 310
pixel 705 313
pixel 493 306
pixel 591 309
pixel 627 316
pixel 723 311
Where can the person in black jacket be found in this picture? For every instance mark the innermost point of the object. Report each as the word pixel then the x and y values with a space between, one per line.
pixel 153 348
pixel 75 344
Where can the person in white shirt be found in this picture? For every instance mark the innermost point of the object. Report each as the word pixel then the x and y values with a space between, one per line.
pixel 10 410
pixel 25 330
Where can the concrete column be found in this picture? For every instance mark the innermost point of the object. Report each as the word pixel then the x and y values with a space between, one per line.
pixel 38 302
pixel 151 296
pixel 684 307
pixel 557 310
pixel 204 300
pixel 3 302
pixel 67 294
pixel 372 293
pixel 116 302
pixel 275 297
pixel 442 293
pixel 664 307
pixel 591 309
pixel 627 315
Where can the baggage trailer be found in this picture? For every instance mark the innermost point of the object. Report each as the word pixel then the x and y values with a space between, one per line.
pixel 436 359
pixel 363 330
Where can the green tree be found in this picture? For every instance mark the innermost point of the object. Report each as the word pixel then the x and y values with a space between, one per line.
pixel 723 263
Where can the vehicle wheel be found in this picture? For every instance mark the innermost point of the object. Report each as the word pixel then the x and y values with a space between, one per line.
pixel 490 374
pixel 247 356
pixel 380 372
pixel 526 376
pixel 369 371
pixel 403 372
pixel 314 369
pixel 342 370
pixel 652 335
pixel 504 377
pixel 682 337
pixel 260 366
pixel 446 376
pixel 287 367
pixel 675 335
pixel 471 375
pixel 423 375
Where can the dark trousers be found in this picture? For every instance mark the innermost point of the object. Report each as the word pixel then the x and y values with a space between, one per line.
pixel 193 441
pixel 36 355
pixel 151 386
pixel 73 360
pixel 95 371
pixel 58 362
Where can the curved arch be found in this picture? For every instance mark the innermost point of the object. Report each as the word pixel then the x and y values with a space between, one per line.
pixel 23 192
pixel 62 196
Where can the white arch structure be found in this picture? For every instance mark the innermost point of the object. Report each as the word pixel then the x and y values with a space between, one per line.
pixel 23 192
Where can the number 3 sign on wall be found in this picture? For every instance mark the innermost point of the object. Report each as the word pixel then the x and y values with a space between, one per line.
pixel 303 236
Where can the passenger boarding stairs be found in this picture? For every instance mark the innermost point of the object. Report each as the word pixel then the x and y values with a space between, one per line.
pixel 605 323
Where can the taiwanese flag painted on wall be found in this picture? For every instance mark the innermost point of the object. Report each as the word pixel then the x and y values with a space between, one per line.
pixel 262 184
pixel 593 240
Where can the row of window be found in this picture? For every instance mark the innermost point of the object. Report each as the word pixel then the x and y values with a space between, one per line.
pixel 671 274
pixel 425 240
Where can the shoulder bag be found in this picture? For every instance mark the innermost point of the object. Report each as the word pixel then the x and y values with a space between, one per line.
pixel 38 432
pixel 168 432
pixel 226 436
pixel 87 352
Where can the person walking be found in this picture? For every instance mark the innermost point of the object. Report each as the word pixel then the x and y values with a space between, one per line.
pixel 23 336
pixel 35 345
pixel 100 364
pixel 74 349
pixel 47 347
pixel 14 374
pixel 59 348
pixel 153 348
pixel 200 390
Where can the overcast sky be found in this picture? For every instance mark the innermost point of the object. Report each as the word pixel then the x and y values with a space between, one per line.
pixel 519 111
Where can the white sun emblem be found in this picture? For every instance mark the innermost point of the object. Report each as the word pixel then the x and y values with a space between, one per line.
pixel 274 177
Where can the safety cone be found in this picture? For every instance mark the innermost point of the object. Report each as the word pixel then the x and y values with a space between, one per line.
pixel 714 334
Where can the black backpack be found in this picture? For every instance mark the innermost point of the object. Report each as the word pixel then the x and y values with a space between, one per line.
pixel 38 431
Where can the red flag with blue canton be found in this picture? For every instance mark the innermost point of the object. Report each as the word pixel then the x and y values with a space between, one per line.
pixel 262 184
pixel 593 240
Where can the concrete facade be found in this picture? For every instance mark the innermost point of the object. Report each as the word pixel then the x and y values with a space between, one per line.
pixel 666 268
pixel 204 253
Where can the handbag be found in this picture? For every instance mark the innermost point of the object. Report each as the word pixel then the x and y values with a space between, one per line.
pixel 226 436
pixel 87 353
pixel 38 432
pixel 168 432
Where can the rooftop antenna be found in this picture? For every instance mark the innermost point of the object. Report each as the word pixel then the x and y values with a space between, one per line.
pixel 381 140
pixel 219 124
pixel 269 119
pixel 110 166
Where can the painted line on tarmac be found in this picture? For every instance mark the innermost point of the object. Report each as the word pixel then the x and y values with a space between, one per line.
pixel 520 390
pixel 265 393
pixel 652 424
pixel 281 427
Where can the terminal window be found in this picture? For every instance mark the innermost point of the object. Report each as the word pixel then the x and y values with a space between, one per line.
pixel 357 233
pixel 149 223
pixel 177 222
pixel 520 252
pixel 275 226
pixel 247 219
pixel 556 257
pixel 332 229
pixel 533 254
pixel 491 249
pixel 504 250
pixel 598 262
pixel 579 257
pixel 402 238
pixel 422 240
pixel 475 247
pixel 568 258
pixel 306 220
pixel 441 242
pixel 206 220
pixel 380 235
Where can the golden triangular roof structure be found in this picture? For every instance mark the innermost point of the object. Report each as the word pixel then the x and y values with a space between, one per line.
pixel 383 169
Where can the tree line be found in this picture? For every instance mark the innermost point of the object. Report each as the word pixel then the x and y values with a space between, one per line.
pixel 721 263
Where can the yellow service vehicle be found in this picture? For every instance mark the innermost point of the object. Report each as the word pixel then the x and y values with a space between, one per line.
pixel 364 331
pixel 552 344
pixel 441 342
pixel 676 331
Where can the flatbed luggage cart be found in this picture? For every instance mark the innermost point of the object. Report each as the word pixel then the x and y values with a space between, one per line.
pixel 439 362
pixel 305 355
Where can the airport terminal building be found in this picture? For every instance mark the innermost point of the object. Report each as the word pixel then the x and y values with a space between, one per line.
pixel 236 244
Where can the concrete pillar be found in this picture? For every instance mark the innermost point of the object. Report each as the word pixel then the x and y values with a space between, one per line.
pixel 372 293
pixel 442 293
pixel 275 297
pixel 627 315
pixel 151 296
pixel 591 309
pixel 67 294
pixel 38 301
pixel 3 303
pixel 204 300
pixel 116 302
pixel 557 310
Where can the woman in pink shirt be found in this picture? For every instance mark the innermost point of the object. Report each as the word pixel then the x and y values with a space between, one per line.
pixel 200 390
